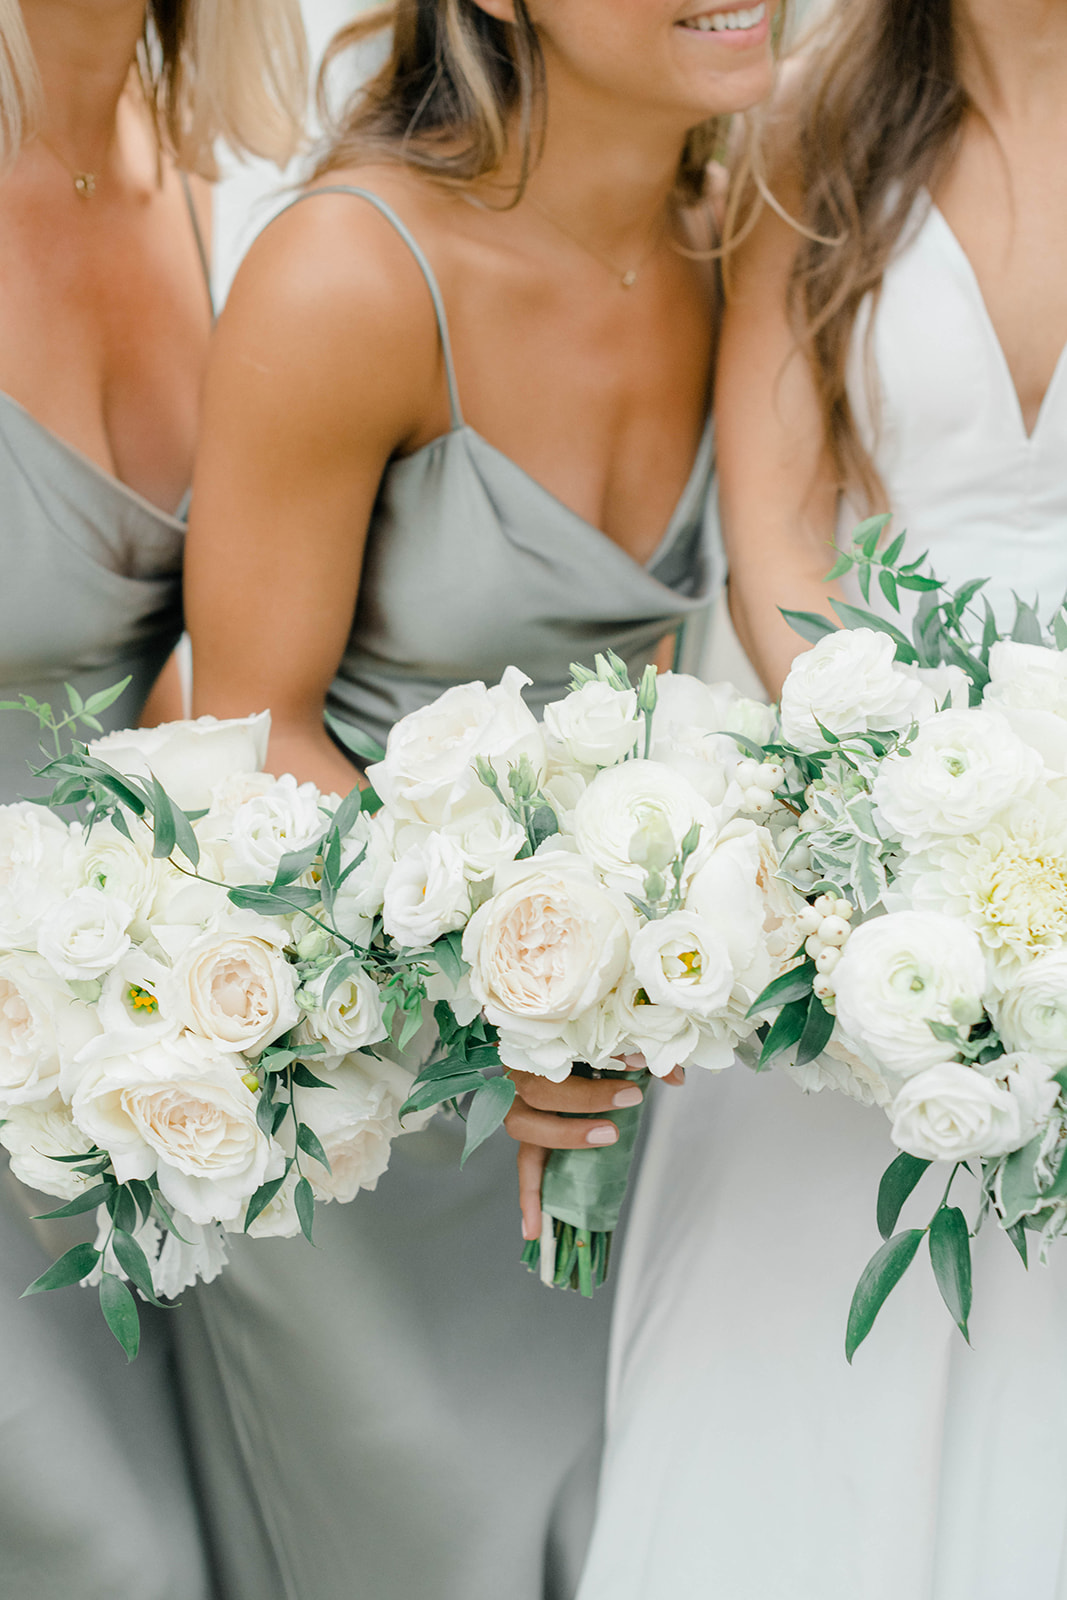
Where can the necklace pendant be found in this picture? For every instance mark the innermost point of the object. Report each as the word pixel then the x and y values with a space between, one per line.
pixel 629 278
pixel 85 184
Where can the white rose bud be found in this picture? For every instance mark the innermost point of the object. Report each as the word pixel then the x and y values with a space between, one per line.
pixel 595 724
pixel 953 1113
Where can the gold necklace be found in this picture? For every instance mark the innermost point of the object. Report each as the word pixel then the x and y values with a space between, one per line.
pixel 84 182
pixel 627 277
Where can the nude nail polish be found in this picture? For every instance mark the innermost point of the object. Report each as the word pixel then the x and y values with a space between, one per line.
pixel 630 1096
pixel 605 1134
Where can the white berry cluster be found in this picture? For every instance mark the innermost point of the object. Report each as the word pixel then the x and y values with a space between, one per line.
pixel 758 781
pixel 801 872
pixel 826 924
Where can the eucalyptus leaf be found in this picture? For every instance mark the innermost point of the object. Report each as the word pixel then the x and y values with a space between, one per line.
pixel 71 1268
pixel 164 824
pixel 877 1281
pixel 304 1199
pixel 272 903
pixel 866 535
pixel 950 1255
pixel 898 1181
pixel 310 1143
pixel 120 1313
pixel 856 617
pixel 305 1079
pixel 448 953
pixel 88 1200
pixel 103 698
pixel 1027 626
pixel 134 1263
pixel 294 863
pixel 261 1199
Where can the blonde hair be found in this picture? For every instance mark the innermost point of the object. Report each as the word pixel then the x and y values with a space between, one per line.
pixel 234 70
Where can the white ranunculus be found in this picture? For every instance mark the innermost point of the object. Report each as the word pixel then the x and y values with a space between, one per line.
pixel 428 773
pixel 639 813
pixel 961 768
pixel 85 935
pixel 595 724
pixel 38 868
pixel 356 1121
pixel 682 961
pixel 1031 1013
pixel 188 758
pixel 351 1018
pixel 487 839
pixel 549 944
pixel 897 974
pixel 684 702
pixel 34 1135
pixel 951 1112
pixel 427 892
pixel 120 867
pixel 177 1109
pixel 236 991
pixel 269 826
pixel 850 683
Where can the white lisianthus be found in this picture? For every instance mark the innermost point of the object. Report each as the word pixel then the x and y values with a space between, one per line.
pixel 961 768
pixel 899 973
pixel 563 788
pixel 951 1112
pixel 639 813
pixel 427 892
pixel 285 819
pixel 85 935
pixel 1031 1013
pixel 235 991
pixel 428 773
pixel 487 839
pixel 188 758
pixel 37 869
pixel 109 861
pixel 850 683
pixel 352 1016
pixel 595 724
pixel 548 945
pixel 356 1124
pixel 34 1135
pixel 177 1109
pixel 135 998
pixel 682 961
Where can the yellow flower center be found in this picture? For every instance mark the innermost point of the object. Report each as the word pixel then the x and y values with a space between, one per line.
pixel 142 999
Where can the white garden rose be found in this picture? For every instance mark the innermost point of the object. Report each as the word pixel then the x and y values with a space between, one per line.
pixel 356 1122
pixel 595 724
pixel 682 961
pixel 951 1112
pixel 34 1135
pixel 38 868
pixel 427 892
pixel 188 758
pixel 177 1109
pixel 899 973
pixel 961 768
pixel 850 683
pixel 634 817
pixel 269 826
pixel 229 795
pixel 32 1002
pixel 85 935
pixel 428 773
pixel 235 991
pixel 549 944
pixel 351 1018
pixel 279 1218
pixel 487 839
pixel 1031 1013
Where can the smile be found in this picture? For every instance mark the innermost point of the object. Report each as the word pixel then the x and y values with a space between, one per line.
pixel 741 21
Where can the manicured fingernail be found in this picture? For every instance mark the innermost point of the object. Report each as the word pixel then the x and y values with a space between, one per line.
pixel 526 1231
pixel 606 1133
pixel 631 1096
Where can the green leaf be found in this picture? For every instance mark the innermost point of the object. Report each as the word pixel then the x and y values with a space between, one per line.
pixel 888 585
pixel 305 1079
pixel 818 1027
pixel 103 698
pixel 76 702
pixel 1019 1193
pixel 261 1199
pixel 295 862
pixel 272 903
pixel 72 1267
pixel 341 971
pixel 793 985
pixel 1017 1235
pixel 809 624
pixel 855 617
pixel 361 744
pixel 305 1208
pixel 877 1281
pixel 785 1030
pixel 434 1092
pixel 898 1181
pixel 1027 628
pixel 891 555
pixel 448 953
pixel 142 1196
pixel 265 1115
pixel 865 582
pixel 309 1142
pixel 915 581
pixel 120 1313
pixel 87 1201
pixel 134 1263
pixel 488 1108
pixel 166 831
pixel 950 1255
pixel 122 1208
pixel 184 837
pixel 865 537
pixel 843 564
pixel 1059 629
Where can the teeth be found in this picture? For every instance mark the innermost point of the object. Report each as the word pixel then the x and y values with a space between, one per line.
pixel 728 21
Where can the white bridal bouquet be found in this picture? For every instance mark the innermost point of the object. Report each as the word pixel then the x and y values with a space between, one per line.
pixel 922 812
pixel 198 1014
pixel 572 880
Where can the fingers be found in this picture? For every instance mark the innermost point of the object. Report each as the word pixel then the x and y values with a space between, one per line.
pixel 532 1160
pixel 580 1097
pixel 676 1077
pixel 549 1132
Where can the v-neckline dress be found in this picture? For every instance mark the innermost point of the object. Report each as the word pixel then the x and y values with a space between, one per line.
pixel 405 1411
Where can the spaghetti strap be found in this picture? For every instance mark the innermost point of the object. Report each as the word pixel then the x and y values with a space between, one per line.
pixel 424 267
pixel 201 248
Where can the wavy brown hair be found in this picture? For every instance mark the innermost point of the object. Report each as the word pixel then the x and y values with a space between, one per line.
pixel 445 100
pixel 878 119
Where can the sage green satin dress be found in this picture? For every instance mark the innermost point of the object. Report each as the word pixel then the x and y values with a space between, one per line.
pixel 96 1495
pixel 404 1413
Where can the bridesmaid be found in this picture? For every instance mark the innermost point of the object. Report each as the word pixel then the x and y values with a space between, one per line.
pixel 108 114
pixel 745 1458
pixel 457 417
